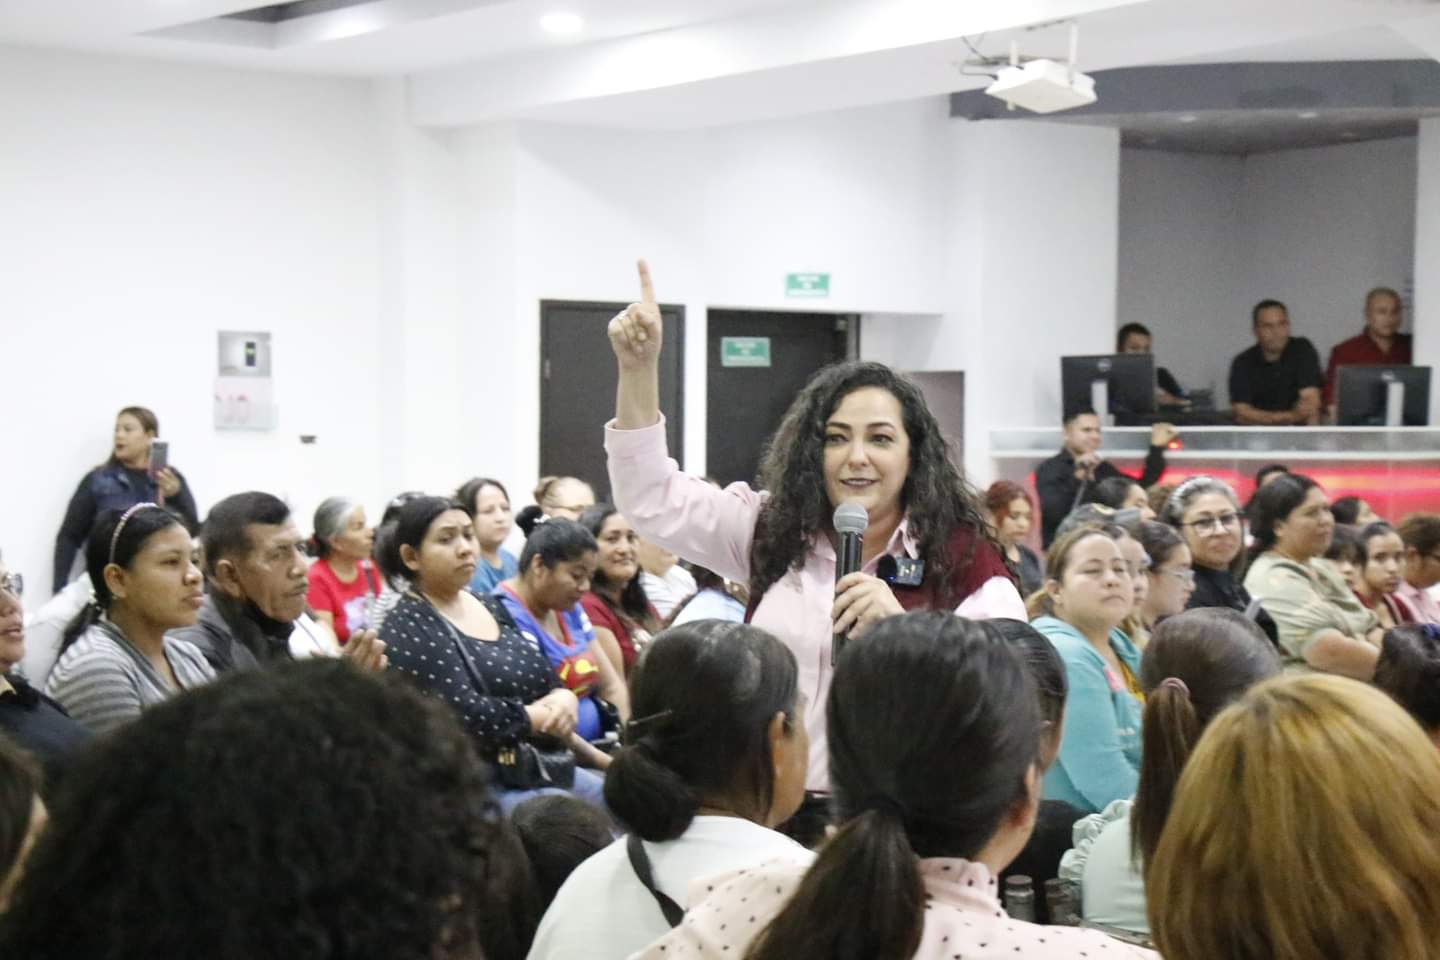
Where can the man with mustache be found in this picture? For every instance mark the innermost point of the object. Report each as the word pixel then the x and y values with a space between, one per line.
pixel 254 613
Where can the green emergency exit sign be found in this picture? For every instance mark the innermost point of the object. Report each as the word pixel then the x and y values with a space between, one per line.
pixel 807 284
pixel 744 351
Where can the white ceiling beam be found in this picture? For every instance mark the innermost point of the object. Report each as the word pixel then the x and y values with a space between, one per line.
pixel 805 34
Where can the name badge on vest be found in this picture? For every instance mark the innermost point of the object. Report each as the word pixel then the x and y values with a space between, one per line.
pixel 900 571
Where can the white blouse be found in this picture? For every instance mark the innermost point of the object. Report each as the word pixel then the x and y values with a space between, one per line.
pixel 963 918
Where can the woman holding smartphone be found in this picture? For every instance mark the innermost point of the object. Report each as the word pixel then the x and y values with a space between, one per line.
pixel 138 471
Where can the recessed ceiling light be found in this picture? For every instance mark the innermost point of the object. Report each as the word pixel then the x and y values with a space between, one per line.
pixel 562 24
pixel 1188 118
pixel 1308 114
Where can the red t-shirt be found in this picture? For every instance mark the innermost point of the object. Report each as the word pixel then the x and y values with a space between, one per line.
pixel 601 615
pixel 345 602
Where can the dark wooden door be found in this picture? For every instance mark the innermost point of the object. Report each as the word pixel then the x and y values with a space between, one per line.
pixel 745 403
pixel 577 387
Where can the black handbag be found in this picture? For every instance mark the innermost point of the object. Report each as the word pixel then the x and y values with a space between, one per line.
pixel 526 765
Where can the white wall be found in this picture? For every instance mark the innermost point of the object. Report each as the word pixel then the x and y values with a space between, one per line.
pixel 399 269
pixel 1031 271
pixel 1203 238
pixel 562 212
pixel 147 206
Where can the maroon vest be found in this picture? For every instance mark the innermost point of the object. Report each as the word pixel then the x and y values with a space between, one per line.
pixel 986 564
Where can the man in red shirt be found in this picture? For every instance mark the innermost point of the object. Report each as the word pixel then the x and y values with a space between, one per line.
pixel 1381 342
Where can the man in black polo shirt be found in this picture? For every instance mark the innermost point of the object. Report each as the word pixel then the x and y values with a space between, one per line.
pixel 1277 381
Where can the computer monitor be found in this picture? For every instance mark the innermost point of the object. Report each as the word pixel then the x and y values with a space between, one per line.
pixel 1113 385
pixel 1362 396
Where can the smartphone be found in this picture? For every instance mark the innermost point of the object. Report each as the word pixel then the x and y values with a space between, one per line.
pixel 159 456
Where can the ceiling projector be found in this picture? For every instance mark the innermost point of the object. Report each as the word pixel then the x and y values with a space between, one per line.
pixel 1043 86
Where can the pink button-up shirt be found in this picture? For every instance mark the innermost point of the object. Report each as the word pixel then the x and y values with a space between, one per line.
pixel 1423 605
pixel 714 528
pixel 963 918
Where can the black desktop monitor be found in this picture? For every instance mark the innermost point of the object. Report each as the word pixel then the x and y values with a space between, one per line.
pixel 1129 380
pixel 1360 394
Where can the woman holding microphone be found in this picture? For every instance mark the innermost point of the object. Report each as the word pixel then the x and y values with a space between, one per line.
pixel 857 433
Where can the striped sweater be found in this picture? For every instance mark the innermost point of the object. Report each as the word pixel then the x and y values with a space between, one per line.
pixel 104 682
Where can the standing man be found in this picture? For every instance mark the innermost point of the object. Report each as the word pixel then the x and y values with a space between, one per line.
pixel 1380 343
pixel 1063 480
pixel 1277 381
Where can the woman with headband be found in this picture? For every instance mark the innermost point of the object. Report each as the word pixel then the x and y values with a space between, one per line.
pixel 116 659
pixel 1208 515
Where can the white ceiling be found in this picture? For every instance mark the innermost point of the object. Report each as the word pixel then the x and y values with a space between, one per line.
pixel 693 63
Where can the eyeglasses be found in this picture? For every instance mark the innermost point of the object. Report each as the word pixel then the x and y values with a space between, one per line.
pixel 1186 577
pixel 13 583
pixel 1214 523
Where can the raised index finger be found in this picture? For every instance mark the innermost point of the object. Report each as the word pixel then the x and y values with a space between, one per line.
pixel 647 288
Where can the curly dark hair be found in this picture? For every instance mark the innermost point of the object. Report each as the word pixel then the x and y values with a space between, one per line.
pixel 309 811
pixel 936 497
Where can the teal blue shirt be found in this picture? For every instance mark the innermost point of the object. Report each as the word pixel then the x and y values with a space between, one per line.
pixel 487 578
pixel 1099 758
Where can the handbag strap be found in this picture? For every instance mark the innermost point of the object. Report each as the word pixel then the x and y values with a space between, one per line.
pixel 459 641
pixel 470 665
pixel 640 863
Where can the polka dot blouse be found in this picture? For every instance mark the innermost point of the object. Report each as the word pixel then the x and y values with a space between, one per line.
pixel 963 919
pixel 421 645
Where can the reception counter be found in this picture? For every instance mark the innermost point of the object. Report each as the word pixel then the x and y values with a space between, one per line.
pixel 1397 469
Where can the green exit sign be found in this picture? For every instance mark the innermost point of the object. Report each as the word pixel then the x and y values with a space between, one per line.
pixel 807 284
pixel 744 351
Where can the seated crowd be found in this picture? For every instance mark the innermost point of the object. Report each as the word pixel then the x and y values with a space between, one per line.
pixel 1188 727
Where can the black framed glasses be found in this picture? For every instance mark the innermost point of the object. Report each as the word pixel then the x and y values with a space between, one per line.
pixel 1214 523
pixel 13 583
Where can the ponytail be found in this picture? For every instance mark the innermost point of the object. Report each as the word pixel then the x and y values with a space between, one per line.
pixel 1197 663
pixel 934 730
pixel 869 861
pixel 647 796
pixel 1170 729
pixel 88 616
pixel 528 518
pixel 1039 604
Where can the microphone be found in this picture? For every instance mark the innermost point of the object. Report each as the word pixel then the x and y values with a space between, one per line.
pixel 850 521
